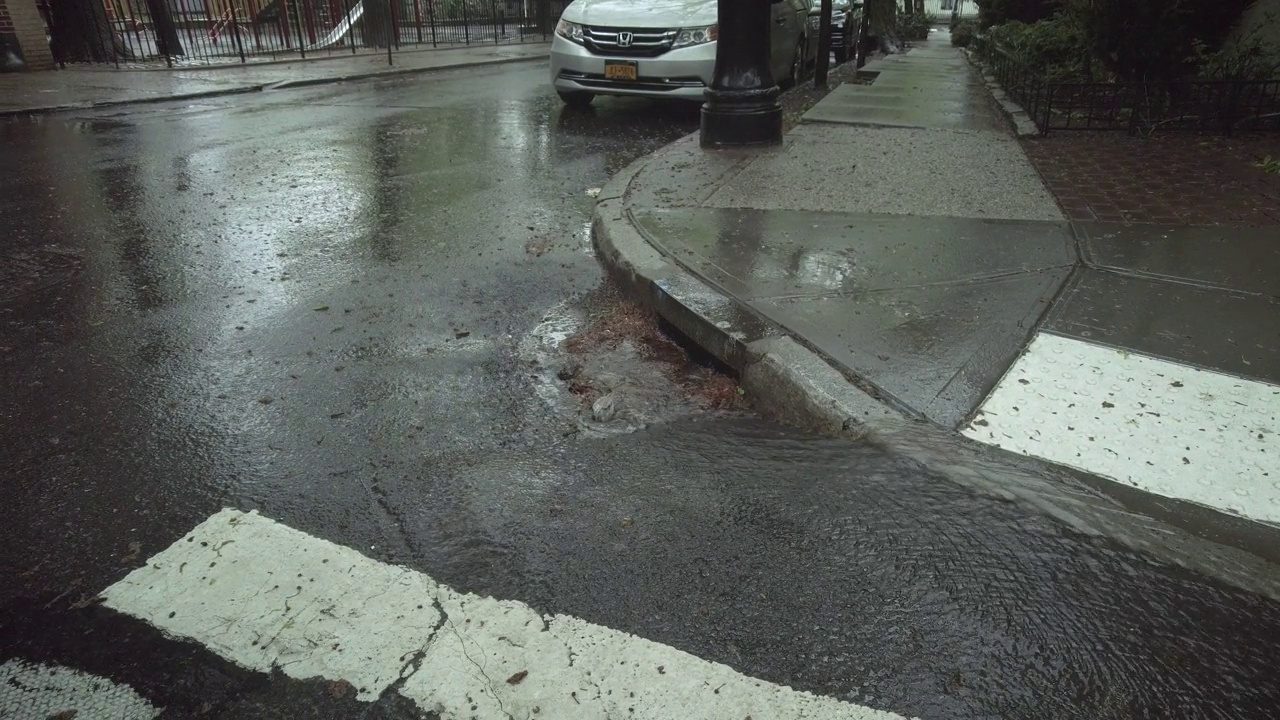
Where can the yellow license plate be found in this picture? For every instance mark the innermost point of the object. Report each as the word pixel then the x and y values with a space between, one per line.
pixel 621 71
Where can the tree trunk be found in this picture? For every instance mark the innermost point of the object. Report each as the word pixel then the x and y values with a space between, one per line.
pixel 880 17
pixel 542 11
pixel 167 42
pixel 81 32
pixel 377 23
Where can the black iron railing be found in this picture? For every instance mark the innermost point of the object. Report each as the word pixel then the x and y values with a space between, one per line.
pixel 201 32
pixel 1020 81
pixel 1224 106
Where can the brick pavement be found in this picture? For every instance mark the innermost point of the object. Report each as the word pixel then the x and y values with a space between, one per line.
pixel 1170 178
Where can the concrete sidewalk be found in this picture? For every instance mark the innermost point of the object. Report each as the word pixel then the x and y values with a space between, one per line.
pixel 92 86
pixel 903 235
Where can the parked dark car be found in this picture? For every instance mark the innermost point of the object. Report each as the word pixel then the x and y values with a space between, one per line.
pixel 846 22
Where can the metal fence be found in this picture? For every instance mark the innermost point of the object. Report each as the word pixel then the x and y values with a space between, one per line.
pixel 196 32
pixel 1224 106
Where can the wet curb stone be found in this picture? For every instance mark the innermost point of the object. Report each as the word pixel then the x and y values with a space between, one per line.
pixel 785 379
pixel 1023 125
pixel 262 87
pixel 791 383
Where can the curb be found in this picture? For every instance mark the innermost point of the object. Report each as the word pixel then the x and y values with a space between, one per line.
pixel 263 87
pixel 791 383
pixel 1023 125
pixel 786 380
pixel 307 82
pixel 48 109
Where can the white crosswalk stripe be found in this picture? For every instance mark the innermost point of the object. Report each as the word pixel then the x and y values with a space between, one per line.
pixel 266 596
pixel 1163 427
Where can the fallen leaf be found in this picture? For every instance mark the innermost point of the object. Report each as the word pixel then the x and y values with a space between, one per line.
pixel 461 334
pixel 338 689
pixel 135 548
pixel 266 399
pixel 627 522
pixel 1176 383
pixel 64 715
pixel 518 677
pixel 322 308
pixel 538 247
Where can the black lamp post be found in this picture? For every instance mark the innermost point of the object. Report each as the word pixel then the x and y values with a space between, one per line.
pixel 742 102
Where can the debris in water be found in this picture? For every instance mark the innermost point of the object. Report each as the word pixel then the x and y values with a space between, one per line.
pixel 569 371
pixel 604 409
pixel 538 246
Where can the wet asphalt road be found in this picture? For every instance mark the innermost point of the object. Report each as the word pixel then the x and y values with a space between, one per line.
pixel 318 304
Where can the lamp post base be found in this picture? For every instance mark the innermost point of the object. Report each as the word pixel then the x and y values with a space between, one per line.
pixel 741 118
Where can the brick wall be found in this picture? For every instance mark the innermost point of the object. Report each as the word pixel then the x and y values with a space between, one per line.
pixel 21 24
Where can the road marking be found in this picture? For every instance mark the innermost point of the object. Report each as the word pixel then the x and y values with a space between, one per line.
pixel 31 690
pixel 1159 426
pixel 266 596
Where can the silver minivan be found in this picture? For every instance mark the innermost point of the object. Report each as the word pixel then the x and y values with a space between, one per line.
pixel 660 48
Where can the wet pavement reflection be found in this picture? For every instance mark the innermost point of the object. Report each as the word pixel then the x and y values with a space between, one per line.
pixel 319 303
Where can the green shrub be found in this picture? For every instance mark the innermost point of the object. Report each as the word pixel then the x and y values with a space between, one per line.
pixel 964 32
pixel 914 26
pixel 1144 41
pixel 999 12
pixel 1149 40
pixel 1248 59
pixel 1056 47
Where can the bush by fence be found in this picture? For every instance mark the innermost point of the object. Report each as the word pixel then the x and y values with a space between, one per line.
pixel 1055 103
